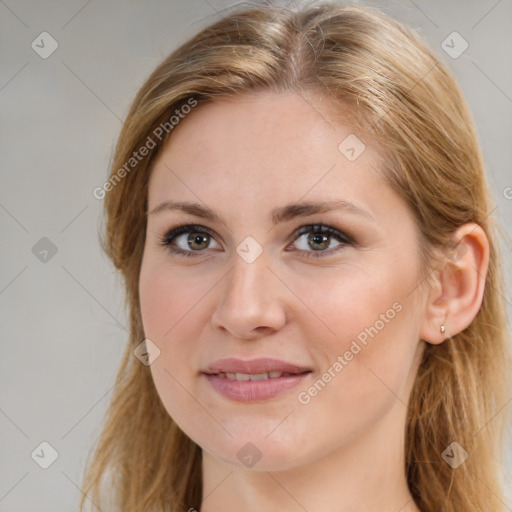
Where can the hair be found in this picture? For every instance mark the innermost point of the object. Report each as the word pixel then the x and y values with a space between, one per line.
pixel 382 77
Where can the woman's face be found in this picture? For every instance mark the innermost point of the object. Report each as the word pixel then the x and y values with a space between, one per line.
pixel 339 310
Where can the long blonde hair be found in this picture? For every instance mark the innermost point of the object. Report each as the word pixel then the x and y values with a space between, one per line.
pixel 403 98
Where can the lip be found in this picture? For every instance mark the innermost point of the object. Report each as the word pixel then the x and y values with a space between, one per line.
pixel 260 365
pixel 249 391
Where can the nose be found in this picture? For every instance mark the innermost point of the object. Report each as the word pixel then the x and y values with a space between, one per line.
pixel 251 301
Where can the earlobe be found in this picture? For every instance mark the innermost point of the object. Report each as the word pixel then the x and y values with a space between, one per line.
pixel 458 289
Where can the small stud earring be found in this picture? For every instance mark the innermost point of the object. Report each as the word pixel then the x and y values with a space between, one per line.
pixel 443 329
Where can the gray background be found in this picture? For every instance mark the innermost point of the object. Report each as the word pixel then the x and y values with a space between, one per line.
pixel 63 324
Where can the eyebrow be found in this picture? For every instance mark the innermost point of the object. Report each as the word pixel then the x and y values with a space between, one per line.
pixel 278 215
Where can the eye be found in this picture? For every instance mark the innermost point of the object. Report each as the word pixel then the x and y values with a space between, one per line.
pixel 198 238
pixel 319 239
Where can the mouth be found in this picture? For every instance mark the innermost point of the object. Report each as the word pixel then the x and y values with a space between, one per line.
pixel 255 376
pixel 254 380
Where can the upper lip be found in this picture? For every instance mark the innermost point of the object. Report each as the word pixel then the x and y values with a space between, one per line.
pixel 253 366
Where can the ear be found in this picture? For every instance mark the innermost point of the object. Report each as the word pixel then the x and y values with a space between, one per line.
pixel 458 286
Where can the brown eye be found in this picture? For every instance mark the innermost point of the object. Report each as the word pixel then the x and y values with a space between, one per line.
pixel 318 243
pixel 197 239
pixel 319 239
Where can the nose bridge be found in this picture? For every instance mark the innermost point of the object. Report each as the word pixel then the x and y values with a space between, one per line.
pixel 246 284
pixel 249 298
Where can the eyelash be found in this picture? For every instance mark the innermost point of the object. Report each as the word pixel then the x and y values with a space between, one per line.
pixel 345 240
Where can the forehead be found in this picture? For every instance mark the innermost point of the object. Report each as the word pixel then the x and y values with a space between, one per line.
pixel 278 128
pixel 263 150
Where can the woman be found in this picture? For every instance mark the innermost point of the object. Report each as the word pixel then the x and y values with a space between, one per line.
pixel 299 210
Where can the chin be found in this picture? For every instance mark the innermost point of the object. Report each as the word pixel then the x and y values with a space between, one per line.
pixel 257 452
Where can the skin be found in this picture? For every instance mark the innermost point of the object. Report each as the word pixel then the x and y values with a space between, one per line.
pixel 344 450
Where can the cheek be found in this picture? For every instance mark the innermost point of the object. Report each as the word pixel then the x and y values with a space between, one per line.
pixel 167 296
pixel 171 315
pixel 167 302
pixel 369 335
pixel 346 302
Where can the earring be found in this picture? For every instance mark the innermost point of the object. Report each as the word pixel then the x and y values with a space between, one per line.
pixel 443 329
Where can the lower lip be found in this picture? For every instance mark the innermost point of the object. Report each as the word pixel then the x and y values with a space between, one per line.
pixel 254 390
